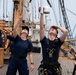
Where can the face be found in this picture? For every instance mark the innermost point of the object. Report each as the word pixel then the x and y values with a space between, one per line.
pixel 24 32
pixel 52 34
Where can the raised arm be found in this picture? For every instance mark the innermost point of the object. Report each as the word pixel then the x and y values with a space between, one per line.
pixel 41 25
pixel 64 32
pixel 16 25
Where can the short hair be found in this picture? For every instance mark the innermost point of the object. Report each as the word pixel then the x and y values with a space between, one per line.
pixel 25 27
pixel 55 29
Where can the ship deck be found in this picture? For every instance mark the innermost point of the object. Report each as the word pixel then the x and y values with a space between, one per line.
pixel 67 65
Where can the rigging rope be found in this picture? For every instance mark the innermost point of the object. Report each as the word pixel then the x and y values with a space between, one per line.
pixel 71 12
pixel 49 3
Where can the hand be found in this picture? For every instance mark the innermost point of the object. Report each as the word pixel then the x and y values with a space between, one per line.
pixel 31 67
pixel 40 9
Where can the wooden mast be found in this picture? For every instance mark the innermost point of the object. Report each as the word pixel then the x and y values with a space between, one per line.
pixel 18 8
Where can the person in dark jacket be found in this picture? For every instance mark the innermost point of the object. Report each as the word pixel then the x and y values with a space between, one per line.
pixel 20 47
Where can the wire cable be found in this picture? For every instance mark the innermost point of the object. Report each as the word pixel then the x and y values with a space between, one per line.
pixel 49 3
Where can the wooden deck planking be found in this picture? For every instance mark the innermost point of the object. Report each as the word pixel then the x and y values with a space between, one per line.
pixel 67 65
